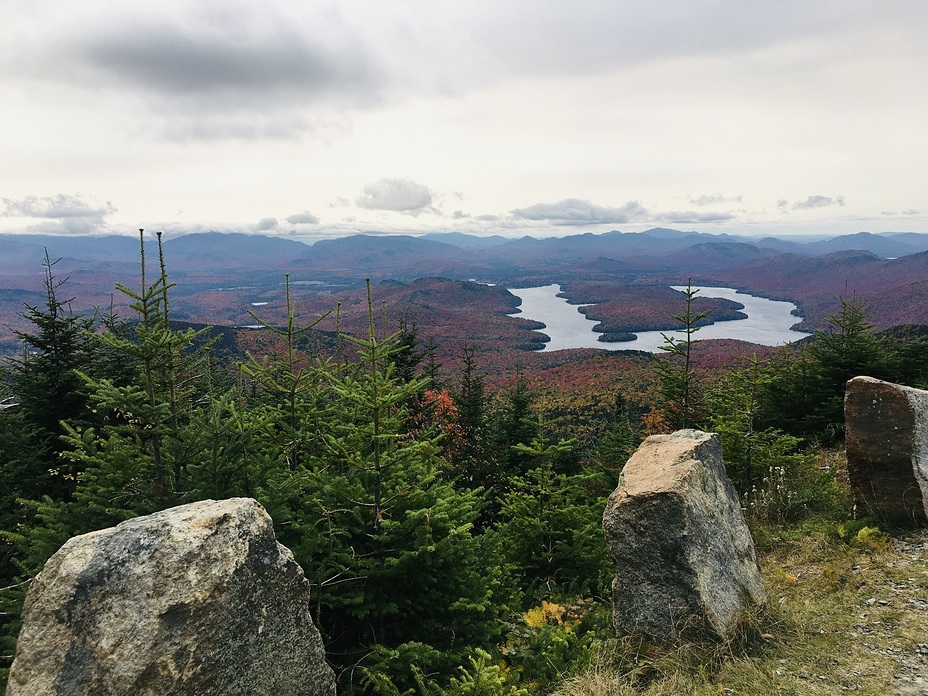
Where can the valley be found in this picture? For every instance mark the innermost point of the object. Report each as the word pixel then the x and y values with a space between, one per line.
pixel 496 462
pixel 453 287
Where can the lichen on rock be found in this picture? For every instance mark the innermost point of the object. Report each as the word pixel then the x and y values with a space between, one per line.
pixel 887 450
pixel 196 599
pixel 684 557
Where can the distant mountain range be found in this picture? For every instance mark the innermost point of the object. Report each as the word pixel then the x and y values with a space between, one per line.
pixel 453 252
pixel 220 276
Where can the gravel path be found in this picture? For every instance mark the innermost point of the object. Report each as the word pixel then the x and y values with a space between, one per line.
pixel 911 598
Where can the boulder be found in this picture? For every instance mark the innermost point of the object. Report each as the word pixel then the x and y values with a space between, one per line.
pixel 684 558
pixel 197 599
pixel 887 449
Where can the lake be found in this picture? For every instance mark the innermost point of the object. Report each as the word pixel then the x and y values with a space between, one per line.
pixel 768 322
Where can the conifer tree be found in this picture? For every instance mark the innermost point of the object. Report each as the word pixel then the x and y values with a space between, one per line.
pixel 38 391
pixel 551 521
pixel 805 395
pixel 19 453
pixel 679 392
pixel 407 356
pixel 47 387
pixel 850 347
pixel 470 460
pixel 292 389
pixel 396 565
pixel 133 460
pixel 515 425
pixel 749 452
pixel 620 436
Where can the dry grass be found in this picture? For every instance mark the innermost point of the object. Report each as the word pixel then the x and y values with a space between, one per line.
pixel 842 618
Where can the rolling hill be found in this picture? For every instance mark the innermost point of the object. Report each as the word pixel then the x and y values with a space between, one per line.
pixel 220 277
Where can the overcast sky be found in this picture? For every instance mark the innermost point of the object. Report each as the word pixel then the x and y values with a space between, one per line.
pixel 512 117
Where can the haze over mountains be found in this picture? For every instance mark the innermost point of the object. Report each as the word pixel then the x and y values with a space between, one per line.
pixel 219 276
pixel 404 255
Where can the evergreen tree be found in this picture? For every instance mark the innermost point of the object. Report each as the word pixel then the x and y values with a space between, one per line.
pixel 515 425
pixel 133 459
pixel 396 565
pixel 19 453
pixel 679 391
pixel 38 392
pixel 620 437
pixel 407 357
pixel 849 348
pixel 290 390
pixel 471 459
pixel 805 395
pixel 47 386
pixel 431 367
pixel 749 453
pixel 909 348
pixel 551 522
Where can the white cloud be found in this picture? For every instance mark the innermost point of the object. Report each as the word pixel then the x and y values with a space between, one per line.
pixel 573 211
pixel 691 217
pixel 59 206
pixel 400 195
pixel 265 224
pixel 304 218
pixel 714 199
pixel 61 214
pixel 818 202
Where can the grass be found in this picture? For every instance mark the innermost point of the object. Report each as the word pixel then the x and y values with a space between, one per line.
pixel 842 617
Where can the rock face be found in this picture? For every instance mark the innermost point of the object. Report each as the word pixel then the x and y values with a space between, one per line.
pixel 887 449
pixel 197 599
pixel 684 558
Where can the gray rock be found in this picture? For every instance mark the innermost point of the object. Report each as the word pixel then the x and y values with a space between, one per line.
pixel 887 449
pixel 684 558
pixel 197 599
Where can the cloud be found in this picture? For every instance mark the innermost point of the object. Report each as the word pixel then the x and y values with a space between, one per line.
pixel 60 206
pixel 173 60
pixel 61 214
pixel 714 199
pixel 910 211
pixel 783 205
pixel 304 218
pixel 691 217
pixel 232 123
pixel 573 211
pixel 401 195
pixel 498 41
pixel 818 202
pixel 210 72
pixel 265 224
pixel 247 70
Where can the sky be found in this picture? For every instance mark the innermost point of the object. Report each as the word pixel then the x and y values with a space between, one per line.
pixel 333 117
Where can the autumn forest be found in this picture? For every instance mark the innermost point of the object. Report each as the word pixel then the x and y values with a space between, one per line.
pixel 440 481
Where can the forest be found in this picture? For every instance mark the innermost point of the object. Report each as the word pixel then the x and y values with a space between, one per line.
pixel 449 521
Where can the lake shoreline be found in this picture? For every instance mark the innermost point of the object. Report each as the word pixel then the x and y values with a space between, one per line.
pixel 767 322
